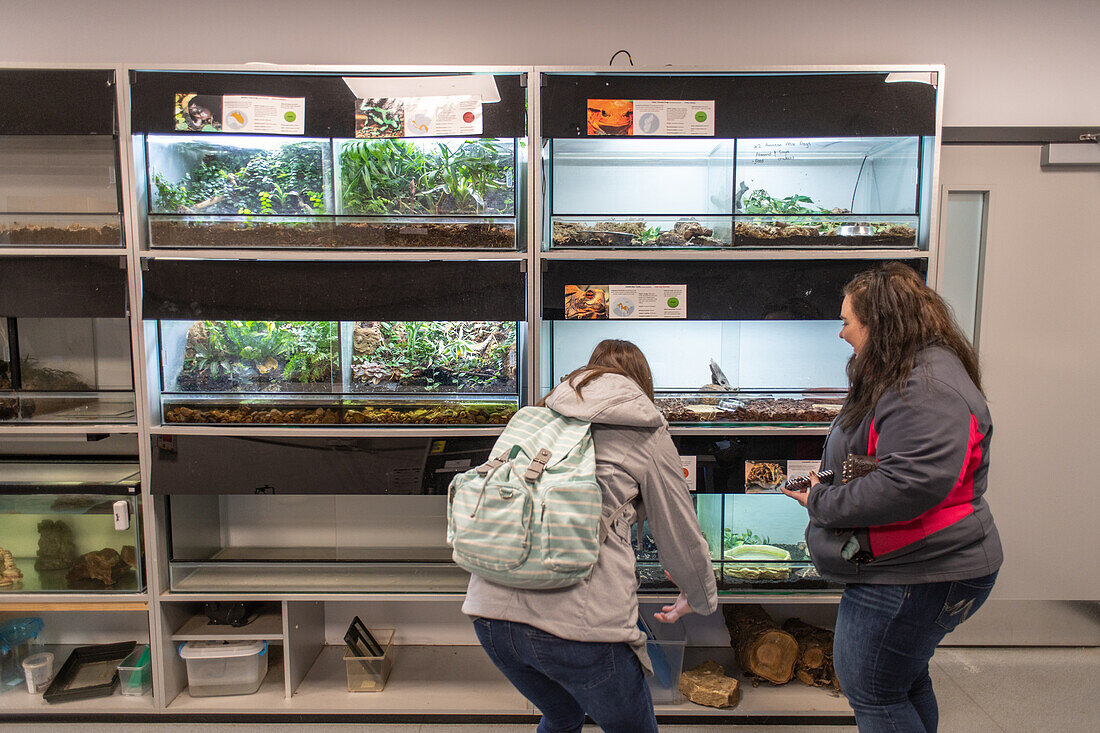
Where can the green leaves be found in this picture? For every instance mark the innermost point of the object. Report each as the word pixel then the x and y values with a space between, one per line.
pixel 760 201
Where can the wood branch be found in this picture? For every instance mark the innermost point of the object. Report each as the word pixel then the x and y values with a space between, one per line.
pixel 763 649
pixel 815 653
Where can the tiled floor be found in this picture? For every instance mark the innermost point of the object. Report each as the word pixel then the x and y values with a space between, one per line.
pixel 1014 690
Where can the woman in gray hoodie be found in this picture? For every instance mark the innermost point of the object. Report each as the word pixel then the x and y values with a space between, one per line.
pixel 579 650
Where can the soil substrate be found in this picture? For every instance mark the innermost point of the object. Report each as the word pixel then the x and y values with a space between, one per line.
pixel 108 234
pixel 351 235
pixel 781 410
pixel 782 235
pixel 346 415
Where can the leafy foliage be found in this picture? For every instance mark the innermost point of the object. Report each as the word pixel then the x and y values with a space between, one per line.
pixel 302 351
pixel 760 201
pixel 731 540
pixel 396 177
pixel 286 180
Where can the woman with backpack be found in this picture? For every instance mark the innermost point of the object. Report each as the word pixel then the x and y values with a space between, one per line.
pixel 579 649
pixel 913 539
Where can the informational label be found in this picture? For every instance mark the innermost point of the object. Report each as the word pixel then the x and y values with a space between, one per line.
pixel 664 117
pixel 265 115
pixel 457 464
pixel 674 117
pixel 418 116
pixel 688 463
pixel 796 469
pixel 647 301
pixel 767 152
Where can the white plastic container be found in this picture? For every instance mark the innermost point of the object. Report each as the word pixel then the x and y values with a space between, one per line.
pixel 38 669
pixel 224 667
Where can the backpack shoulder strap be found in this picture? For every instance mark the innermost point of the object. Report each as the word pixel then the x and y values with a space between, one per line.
pixel 607 522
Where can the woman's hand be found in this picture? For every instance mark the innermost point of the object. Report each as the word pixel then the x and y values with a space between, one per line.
pixel 802 495
pixel 671 614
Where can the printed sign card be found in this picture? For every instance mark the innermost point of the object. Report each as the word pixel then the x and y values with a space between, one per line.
pixel 240 113
pixel 663 117
pixel 418 117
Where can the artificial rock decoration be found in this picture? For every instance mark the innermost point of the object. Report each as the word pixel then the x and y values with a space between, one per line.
pixel 707 684
pixel 56 549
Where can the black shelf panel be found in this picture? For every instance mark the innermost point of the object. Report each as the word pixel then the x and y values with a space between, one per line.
pixel 330 104
pixel 292 290
pixel 63 287
pixel 757 105
pixel 720 290
pixel 57 102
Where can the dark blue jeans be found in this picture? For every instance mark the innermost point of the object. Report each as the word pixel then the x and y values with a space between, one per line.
pixel 884 641
pixel 565 679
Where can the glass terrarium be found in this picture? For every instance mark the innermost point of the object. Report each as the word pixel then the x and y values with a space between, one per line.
pixel 721 372
pixel 639 192
pixel 821 192
pixel 706 193
pixel 352 514
pixel 214 191
pixel 59 191
pixel 70 526
pixel 61 370
pixel 339 372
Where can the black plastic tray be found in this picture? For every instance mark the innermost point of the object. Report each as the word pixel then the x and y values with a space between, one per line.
pixel 68 685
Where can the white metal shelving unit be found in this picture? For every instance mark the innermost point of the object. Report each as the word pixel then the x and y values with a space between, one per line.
pixel 439 672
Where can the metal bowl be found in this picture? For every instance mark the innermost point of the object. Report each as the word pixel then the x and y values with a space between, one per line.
pixel 855 230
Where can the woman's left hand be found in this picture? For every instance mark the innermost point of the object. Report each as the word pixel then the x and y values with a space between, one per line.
pixel 803 495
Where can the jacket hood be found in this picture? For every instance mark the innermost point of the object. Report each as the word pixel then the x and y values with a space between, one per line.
pixel 609 399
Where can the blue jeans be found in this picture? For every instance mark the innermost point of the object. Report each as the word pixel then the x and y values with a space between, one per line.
pixel 885 637
pixel 565 679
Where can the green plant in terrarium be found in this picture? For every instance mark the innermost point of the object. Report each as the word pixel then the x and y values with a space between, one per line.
pixel 286 180
pixel 730 539
pixel 398 177
pixel 648 235
pixel 760 201
pixel 271 351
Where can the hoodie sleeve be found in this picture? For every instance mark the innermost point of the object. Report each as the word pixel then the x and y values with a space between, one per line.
pixel 925 439
pixel 680 543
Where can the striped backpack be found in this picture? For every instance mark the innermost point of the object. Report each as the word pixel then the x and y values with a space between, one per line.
pixel 530 517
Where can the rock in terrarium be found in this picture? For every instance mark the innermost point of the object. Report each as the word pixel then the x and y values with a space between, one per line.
pixel 56 549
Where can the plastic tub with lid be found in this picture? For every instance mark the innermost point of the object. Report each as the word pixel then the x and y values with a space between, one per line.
pixel 224 667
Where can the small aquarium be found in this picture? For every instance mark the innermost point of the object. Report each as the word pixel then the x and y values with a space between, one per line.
pixel 70 526
pixel 218 191
pixel 643 192
pixel 59 191
pixel 756 535
pixel 62 370
pixel 339 372
pixel 721 372
pixel 311 514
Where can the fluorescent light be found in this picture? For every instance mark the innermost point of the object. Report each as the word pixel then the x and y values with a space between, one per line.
pixel 921 77
pixel 461 85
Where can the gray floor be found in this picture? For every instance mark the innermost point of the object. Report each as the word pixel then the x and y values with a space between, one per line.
pixel 1015 690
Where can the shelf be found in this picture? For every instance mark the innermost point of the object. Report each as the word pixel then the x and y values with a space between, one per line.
pixel 73 251
pixel 13 428
pixel 268 626
pixel 710 255
pixel 316 431
pixel 302 578
pixel 69 602
pixel 17 700
pixel 748 430
pixel 271 697
pixel 323 255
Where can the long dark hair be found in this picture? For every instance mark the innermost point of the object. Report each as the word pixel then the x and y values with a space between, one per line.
pixel 613 356
pixel 902 316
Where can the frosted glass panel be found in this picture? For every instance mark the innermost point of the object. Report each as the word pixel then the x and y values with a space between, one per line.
pixel 963 255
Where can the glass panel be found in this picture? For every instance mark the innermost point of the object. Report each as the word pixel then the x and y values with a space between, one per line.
pixel 67 370
pixel 59 190
pixel 235 191
pixel 574 232
pixel 811 192
pixel 963 257
pixel 320 542
pixel 64 540
pixel 362 372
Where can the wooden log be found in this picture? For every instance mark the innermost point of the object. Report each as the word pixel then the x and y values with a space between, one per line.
pixel 815 653
pixel 763 649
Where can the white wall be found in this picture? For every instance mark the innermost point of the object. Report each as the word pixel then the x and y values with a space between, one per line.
pixel 1009 62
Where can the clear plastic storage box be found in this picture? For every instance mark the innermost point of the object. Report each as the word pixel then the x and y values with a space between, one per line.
pixel 224 667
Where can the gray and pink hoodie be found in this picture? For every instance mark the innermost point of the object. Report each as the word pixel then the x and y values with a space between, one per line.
pixel 924 509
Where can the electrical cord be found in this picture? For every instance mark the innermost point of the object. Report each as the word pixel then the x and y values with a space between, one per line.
pixel 621 50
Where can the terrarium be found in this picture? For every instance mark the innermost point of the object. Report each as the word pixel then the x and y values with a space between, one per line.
pixel 60 370
pixel 59 191
pixel 721 372
pixel 639 192
pixel 70 526
pixel 301 513
pixel 822 192
pixel 213 191
pixel 338 372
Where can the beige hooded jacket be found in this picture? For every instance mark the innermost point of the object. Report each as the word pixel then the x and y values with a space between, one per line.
pixel 635 458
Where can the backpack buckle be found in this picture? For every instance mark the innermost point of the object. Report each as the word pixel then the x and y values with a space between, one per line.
pixel 484 468
pixel 538 465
